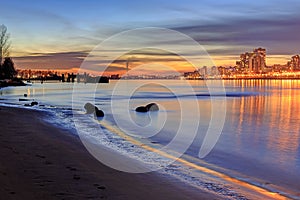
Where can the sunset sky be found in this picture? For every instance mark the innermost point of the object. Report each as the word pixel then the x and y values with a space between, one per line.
pixel 60 34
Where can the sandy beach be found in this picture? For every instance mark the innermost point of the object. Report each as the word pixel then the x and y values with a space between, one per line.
pixel 40 161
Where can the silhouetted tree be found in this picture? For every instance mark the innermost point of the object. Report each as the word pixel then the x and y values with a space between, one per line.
pixel 4 43
pixel 63 78
pixel 8 70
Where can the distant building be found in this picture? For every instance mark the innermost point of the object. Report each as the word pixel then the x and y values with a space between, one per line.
pixel 192 75
pixel 243 64
pixel 252 62
pixel 214 71
pixel 203 71
pixel 294 64
pixel 279 68
pixel 227 71
pixel 115 76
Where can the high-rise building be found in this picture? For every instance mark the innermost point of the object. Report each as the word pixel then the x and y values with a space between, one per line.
pixel 253 62
pixel 203 71
pixel 294 64
pixel 243 64
pixel 259 60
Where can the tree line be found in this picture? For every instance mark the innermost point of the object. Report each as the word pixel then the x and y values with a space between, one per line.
pixel 7 68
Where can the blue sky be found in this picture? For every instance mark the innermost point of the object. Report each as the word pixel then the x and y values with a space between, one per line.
pixel 68 30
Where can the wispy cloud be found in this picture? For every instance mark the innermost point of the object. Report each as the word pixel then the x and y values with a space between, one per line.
pixel 225 28
pixel 62 60
pixel 249 32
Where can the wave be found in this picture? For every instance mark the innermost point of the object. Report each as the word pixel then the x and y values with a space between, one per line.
pixel 175 96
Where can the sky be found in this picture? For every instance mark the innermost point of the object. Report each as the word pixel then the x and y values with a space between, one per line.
pixel 53 34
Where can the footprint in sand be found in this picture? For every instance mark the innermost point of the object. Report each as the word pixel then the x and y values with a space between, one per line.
pixel 48 162
pixel 99 186
pixel 40 156
pixel 12 149
pixel 71 168
pixel 62 194
pixel 41 181
pixel 76 177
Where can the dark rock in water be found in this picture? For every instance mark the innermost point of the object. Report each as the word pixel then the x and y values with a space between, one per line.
pixel 25 95
pixel 34 103
pixel 99 113
pixel 141 109
pixel 90 108
pixel 27 105
pixel 149 107
pixel 152 107
pixel 24 99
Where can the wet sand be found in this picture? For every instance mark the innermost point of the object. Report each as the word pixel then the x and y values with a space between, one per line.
pixel 40 161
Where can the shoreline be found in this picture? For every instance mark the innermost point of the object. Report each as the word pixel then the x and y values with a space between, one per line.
pixel 61 117
pixel 41 161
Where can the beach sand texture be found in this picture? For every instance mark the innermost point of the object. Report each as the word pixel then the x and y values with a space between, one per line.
pixel 40 161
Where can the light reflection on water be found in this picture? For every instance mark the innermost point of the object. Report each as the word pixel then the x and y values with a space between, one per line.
pixel 260 138
pixel 263 132
pixel 272 118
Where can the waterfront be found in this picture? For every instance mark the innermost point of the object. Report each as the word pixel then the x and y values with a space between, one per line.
pixel 260 139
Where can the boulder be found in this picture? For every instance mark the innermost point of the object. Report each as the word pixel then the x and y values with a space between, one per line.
pixel 24 99
pixel 90 108
pixel 152 107
pixel 141 109
pixel 99 113
pixel 25 95
pixel 34 103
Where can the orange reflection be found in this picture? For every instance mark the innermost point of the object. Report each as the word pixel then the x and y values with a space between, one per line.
pixel 276 109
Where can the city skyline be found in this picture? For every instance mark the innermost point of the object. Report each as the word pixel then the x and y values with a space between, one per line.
pixel 58 35
pixel 249 63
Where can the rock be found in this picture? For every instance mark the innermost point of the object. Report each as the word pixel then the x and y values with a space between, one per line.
pixel 152 107
pixel 25 95
pixel 27 105
pixel 34 103
pixel 149 107
pixel 23 99
pixel 141 109
pixel 99 113
pixel 76 177
pixel 90 108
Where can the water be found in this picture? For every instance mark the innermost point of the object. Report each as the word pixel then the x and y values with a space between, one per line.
pixel 259 142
